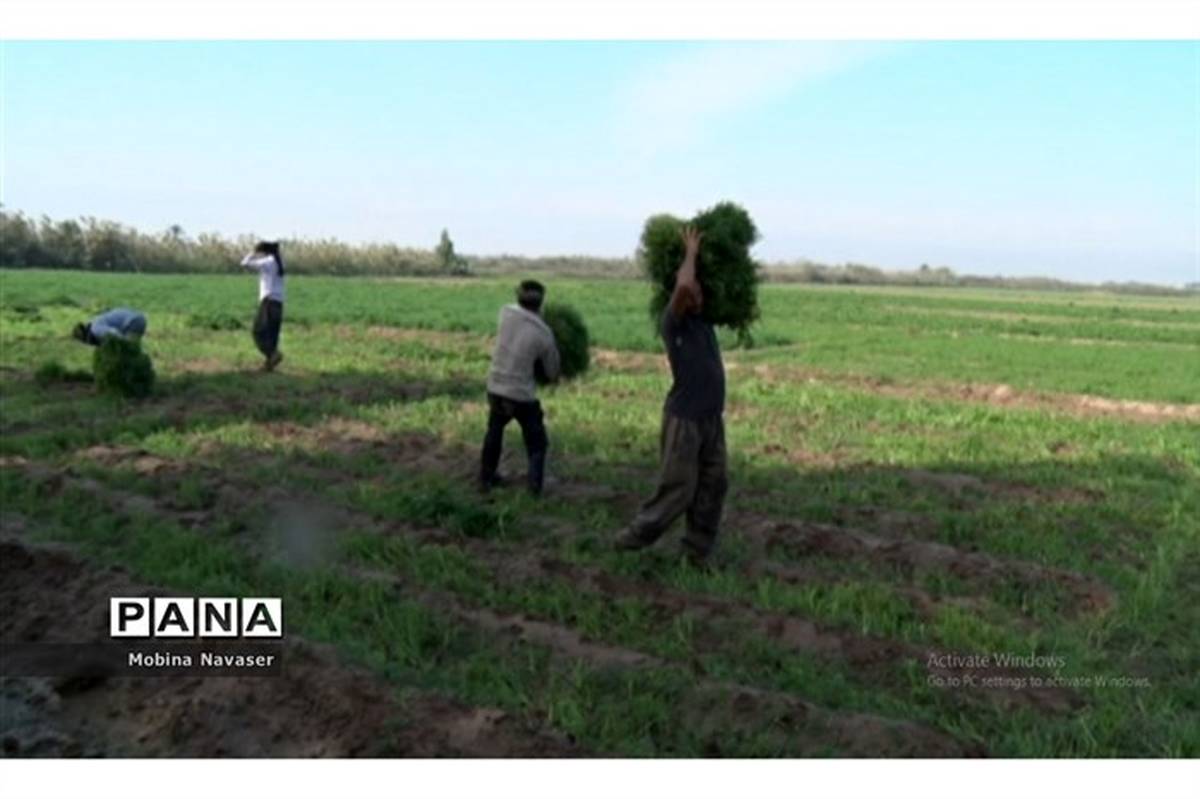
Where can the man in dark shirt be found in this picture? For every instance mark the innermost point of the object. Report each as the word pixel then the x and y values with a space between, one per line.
pixel 692 478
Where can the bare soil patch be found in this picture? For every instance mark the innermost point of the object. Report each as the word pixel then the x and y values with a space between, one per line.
pixel 315 524
pixel 715 617
pixel 319 707
pixel 916 556
pixel 305 533
pixel 627 360
pixel 1059 319
pixel 959 487
pixel 999 394
pixel 203 366
pixel 987 393
pixel 800 727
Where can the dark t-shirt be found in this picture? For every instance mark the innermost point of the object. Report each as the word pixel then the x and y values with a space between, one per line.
pixel 698 391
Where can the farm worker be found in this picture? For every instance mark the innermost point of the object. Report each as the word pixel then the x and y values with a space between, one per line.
pixel 692 475
pixel 525 346
pixel 123 322
pixel 267 323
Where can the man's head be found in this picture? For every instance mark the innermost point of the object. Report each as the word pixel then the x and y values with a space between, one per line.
pixel 530 295
pixel 82 332
pixel 267 248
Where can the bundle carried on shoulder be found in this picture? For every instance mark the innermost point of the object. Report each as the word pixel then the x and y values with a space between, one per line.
pixel 120 367
pixel 728 276
pixel 571 336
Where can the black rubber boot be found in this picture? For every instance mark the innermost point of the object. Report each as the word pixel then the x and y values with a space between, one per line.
pixel 537 473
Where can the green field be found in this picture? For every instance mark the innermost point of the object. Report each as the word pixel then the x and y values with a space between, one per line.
pixel 918 475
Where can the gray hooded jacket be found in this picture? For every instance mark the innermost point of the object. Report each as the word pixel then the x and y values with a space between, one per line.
pixel 522 340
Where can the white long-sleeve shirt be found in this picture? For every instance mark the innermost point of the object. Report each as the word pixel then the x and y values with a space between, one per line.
pixel 270 282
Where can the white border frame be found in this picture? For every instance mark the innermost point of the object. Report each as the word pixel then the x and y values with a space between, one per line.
pixel 599 19
pixel 590 20
pixel 602 779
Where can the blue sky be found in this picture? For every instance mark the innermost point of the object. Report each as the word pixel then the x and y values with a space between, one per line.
pixel 1078 160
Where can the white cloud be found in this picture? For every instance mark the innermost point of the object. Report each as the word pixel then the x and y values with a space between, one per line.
pixel 669 104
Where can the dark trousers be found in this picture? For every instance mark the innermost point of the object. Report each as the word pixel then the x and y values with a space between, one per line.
pixel 267 323
pixel 692 481
pixel 501 411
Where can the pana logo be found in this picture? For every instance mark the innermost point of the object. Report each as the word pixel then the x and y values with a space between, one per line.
pixel 190 617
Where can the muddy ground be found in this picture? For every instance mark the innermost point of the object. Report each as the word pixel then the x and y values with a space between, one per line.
pixel 319 707
pixel 324 708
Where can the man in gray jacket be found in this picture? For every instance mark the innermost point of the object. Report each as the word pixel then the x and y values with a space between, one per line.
pixel 525 347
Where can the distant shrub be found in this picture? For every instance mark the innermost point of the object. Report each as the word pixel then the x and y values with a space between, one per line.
pixel 120 367
pixel 216 321
pixel 728 275
pixel 53 372
pixel 571 336
pixel 451 262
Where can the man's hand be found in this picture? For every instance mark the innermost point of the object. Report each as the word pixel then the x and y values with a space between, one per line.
pixel 687 296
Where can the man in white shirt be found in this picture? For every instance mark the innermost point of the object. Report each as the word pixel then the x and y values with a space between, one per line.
pixel 268 322
pixel 123 322
pixel 525 348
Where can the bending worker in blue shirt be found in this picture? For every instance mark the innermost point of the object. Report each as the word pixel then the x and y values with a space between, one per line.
pixel 123 322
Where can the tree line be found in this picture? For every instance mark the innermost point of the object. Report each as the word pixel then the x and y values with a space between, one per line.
pixel 106 246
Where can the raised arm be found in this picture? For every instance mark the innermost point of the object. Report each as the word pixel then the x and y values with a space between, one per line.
pixel 687 296
pixel 258 261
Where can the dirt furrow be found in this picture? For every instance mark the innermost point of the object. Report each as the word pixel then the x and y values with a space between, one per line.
pixel 910 556
pixel 793 541
pixel 985 393
pixel 1050 319
pixel 807 728
pixel 317 707
pixel 875 657
pixel 796 540
pixel 802 726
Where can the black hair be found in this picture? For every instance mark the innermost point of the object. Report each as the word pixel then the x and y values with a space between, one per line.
pixel 530 295
pixel 271 248
pixel 83 332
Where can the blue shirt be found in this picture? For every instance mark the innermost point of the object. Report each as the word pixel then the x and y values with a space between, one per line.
pixel 119 322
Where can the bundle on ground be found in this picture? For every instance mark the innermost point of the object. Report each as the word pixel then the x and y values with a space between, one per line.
pixel 571 336
pixel 728 275
pixel 120 367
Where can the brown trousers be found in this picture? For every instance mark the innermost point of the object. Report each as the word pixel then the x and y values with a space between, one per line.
pixel 692 480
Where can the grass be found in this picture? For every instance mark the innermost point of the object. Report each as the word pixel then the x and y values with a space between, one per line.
pixel 839 418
